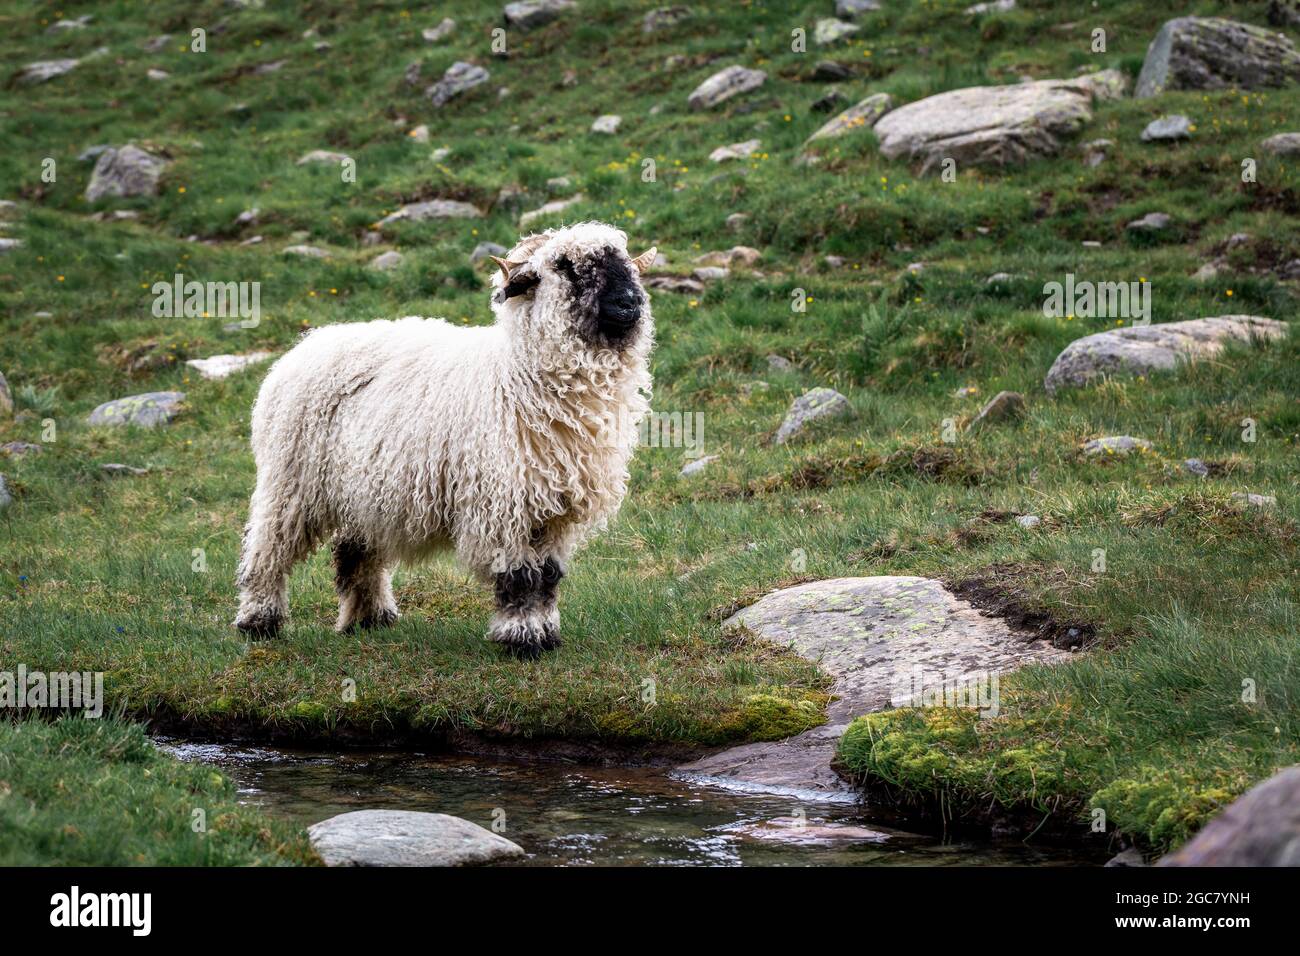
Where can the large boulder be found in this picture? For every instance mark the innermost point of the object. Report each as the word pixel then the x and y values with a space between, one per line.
pixel 406 838
pixel 723 85
pixel 887 642
pixel 125 172
pixel 1259 828
pixel 1211 53
pixel 1153 348
pixel 459 78
pixel 146 411
pixel 994 125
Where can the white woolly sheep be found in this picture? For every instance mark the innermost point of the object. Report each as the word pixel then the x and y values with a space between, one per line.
pixel 509 443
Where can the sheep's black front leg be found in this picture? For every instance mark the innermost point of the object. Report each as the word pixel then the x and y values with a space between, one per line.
pixel 527 621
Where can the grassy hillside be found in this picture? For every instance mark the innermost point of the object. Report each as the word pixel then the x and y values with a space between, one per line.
pixel 1199 594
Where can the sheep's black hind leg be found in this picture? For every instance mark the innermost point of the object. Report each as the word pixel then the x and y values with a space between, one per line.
pixel 364 586
pixel 527 621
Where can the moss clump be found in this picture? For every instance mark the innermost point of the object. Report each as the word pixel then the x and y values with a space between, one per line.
pixel 768 717
pixel 1164 806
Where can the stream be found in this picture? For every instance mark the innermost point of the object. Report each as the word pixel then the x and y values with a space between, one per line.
pixel 566 814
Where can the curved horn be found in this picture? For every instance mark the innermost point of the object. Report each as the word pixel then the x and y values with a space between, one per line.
pixel 504 266
pixel 646 259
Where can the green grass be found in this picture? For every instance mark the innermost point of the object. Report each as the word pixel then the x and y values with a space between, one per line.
pixel 80 792
pixel 96 573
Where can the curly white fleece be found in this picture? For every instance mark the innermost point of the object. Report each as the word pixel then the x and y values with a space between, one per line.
pixel 509 442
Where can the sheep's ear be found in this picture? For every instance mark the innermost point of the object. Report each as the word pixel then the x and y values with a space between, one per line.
pixel 646 259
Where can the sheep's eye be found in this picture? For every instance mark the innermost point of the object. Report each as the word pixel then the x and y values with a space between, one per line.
pixel 520 285
pixel 566 268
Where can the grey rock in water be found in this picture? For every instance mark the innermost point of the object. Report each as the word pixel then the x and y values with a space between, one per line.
pixel 146 411
pixel 1282 144
pixel 122 173
pixel 459 78
pixel 664 18
pixel 812 405
pixel 1115 445
pixel 1259 828
pixel 1138 350
pixel 723 85
pixel 433 209
pixel 873 636
pixel 1167 128
pixel 994 125
pixel 531 14
pixel 1002 406
pixel 406 838
pixel 1212 53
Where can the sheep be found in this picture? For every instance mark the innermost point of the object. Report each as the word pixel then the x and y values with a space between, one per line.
pixel 509 443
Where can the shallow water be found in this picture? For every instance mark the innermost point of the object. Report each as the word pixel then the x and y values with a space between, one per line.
pixel 566 814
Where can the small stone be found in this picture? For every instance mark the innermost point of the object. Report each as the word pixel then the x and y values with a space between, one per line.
pixel 156 44
pixel 6 499
pixel 1095 151
pixel 485 249
pixel 125 172
pixel 779 363
pixel 697 466
pixel 830 100
pixel 531 14
pixel 829 30
pixel 664 18
pixel 1002 406
pixel 743 256
pixel 323 46
pixel 252 241
pixel 1282 144
pixel 307 252
pixel 852 9
pixel 672 283
pixel 324 156
pixel 266 69
pixel 723 85
pixel 1129 858
pixel 248 217
pixel 440 32
pixel 386 260
pixel 459 78
pixel 999 278
pixel 433 209
pixel 833 262
pixel 1196 467
pixel 1167 128
pixel 736 221
pixel 9 245
pixel 223 366
pixel 550 208
pixel 18 449
pixel 1115 445
pixel 1151 222
pixel 710 273
pixel 814 404
pixel 735 151
pixel 44 70
pixel 607 124
pixel 995 6
pixel 6 398
pixel 145 411
pixel 1252 500
pixel 829 71
pixel 1028 521
pixel 118 470
pixel 157 75
pixel 406 838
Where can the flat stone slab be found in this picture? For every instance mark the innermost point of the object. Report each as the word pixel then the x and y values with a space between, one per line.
pixel 1154 348
pixel 406 838
pixel 883 640
pixel 993 125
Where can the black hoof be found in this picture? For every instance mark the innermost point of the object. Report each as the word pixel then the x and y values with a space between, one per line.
pixel 526 640
pixel 384 618
pixel 260 626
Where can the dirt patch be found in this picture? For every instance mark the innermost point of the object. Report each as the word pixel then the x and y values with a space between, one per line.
pixel 995 594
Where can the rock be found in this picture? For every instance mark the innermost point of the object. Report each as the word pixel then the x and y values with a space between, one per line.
pixel 9 245
pixel 723 85
pixel 440 32
pixel 248 217
pixel 386 260
pixel 1151 222
pixel 735 151
pixel 1282 144
pixel 828 101
pixel 306 252
pixel 6 499
pixel 118 215
pixel 607 124
pixel 697 466
pixel 672 283
pixel 855 8
pixel 18 449
pixel 433 209
pixel 266 69
pixel 485 249
pixel 323 46
pixel 1115 445
pixel 146 411
pixel 1153 348
pixel 1028 521
pixel 1251 500
pixel 439 154
pixel 60 26
pixel 999 278
pixel 1000 407
pixel 125 172
pixel 1211 53
pixel 736 221
pixel 966 391
pixel 559 184
pixel 873 636
pixel 810 406
pixel 993 125
pixel 157 75
pixel 420 133
pixel 8 208
pixel 864 115
pixel 1095 152
pixel 406 838
pixel 459 78
pixel 221 366
pixel 1176 126
pixel 44 70
pixel 531 14
pixel 735 256
pixel 1195 466
pixel 118 470
pixel 1259 828
pixel 252 241
pixel 1130 857
pixel 828 71
pixel 995 6
pixel 664 18
pixel 6 398
pixel 779 363
pixel 156 44
pixel 829 30
pixel 324 156
pixel 550 208
pixel 800 831
pixel 710 273
pixel 833 262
